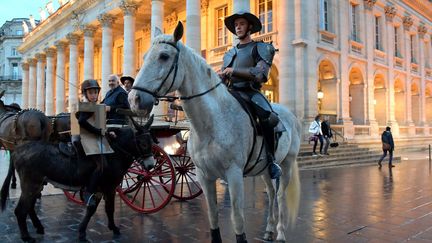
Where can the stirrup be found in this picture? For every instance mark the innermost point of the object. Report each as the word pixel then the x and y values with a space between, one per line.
pixel 90 199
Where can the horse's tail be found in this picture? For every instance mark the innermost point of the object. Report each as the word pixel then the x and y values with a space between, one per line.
pixel 293 193
pixel 4 193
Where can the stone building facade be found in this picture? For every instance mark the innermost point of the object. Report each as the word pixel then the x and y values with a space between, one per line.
pixel 365 63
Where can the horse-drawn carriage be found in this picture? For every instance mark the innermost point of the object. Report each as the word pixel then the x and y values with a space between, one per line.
pixel 148 191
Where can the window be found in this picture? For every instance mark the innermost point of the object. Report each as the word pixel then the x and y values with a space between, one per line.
pixel 377 33
pixel 324 15
pixel 265 13
pixel 14 52
pixel 412 46
pixel 119 59
pixel 354 23
pixel 14 71
pixel 139 55
pixel 396 42
pixel 222 31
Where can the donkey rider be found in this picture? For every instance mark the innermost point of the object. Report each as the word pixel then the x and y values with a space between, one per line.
pixel 245 68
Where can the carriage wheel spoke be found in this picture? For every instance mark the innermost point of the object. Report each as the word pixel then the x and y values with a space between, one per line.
pixel 157 190
pixel 136 193
pixel 194 182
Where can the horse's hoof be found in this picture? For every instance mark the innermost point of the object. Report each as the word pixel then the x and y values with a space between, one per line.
pixel 268 236
pixel 40 231
pixel 114 229
pixel 28 239
pixel 83 239
pixel 280 241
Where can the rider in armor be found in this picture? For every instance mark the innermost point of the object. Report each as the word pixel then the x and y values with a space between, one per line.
pixel 245 68
pixel 90 90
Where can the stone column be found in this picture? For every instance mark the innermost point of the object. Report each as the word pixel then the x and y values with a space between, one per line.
pixel 193 25
pixel 50 74
pixel 107 21
pixel 73 71
pixel 369 17
pixel 40 82
pixel 25 85
pixel 343 80
pixel 390 13
pixel 32 83
pixel 407 23
pixel 89 52
pixel 129 10
pixel 422 30
pixel 60 78
pixel 157 16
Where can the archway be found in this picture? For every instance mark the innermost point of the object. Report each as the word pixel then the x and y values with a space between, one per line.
pixel 399 97
pixel 428 95
pixel 356 96
pixel 415 102
pixel 270 88
pixel 327 92
pixel 380 99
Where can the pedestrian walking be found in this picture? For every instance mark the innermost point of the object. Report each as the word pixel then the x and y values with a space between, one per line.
pixel 387 146
pixel 315 130
pixel 327 134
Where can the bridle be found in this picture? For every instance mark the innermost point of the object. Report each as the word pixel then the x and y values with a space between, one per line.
pixel 135 142
pixel 174 67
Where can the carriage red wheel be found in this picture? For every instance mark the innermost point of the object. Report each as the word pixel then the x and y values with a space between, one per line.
pixel 74 196
pixel 149 191
pixel 187 187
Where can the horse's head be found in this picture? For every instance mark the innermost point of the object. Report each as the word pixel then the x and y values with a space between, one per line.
pixel 161 73
pixel 136 144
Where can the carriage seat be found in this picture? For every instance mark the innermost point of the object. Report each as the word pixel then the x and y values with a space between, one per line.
pixel 67 149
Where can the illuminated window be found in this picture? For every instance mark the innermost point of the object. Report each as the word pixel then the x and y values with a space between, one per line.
pixel 139 56
pixel 119 59
pixel 221 30
pixel 265 13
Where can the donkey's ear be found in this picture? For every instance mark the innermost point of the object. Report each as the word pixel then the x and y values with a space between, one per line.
pixel 178 32
pixel 157 32
pixel 2 93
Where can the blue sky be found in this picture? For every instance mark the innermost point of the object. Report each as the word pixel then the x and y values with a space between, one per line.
pixel 10 9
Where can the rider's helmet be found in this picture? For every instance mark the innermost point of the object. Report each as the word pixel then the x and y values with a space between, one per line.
pixel 252 19
pixel 89 84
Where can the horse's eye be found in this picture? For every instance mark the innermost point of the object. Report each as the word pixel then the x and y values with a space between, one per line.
pixel 163 56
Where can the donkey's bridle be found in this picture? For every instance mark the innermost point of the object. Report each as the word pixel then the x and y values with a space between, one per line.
pixel 174 67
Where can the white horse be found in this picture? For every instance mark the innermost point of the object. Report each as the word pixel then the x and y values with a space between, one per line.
pixel 221 135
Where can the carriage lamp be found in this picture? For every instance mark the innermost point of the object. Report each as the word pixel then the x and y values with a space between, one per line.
pixel 320 94
pixel 172 148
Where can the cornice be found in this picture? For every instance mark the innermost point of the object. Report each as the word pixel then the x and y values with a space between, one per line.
pixel 421 6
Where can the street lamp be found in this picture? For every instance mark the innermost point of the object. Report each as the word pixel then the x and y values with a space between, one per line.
pixel 320 94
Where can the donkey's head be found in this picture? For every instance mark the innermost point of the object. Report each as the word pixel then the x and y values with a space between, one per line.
pixel 161 73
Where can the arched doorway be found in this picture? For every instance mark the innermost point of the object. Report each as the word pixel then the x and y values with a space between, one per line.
pixel 428 95
pixel 327 92
pixel 356 96
pixel 380 99
pixel 270 88
pixel 399 97
pixel 415 102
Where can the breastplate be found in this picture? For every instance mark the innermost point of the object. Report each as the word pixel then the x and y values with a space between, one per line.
pixel 243 59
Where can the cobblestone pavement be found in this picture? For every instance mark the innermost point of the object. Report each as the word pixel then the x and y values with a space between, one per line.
pixel 351 204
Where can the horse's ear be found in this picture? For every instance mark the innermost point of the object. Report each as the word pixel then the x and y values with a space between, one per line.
pixel 178 32
pixel 157 32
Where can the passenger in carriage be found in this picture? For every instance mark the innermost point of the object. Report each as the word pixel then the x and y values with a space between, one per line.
pixel 245 68
pixel 127 82
pixel 90 91
pixel 115 98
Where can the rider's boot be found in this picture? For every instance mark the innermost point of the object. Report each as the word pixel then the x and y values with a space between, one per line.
pixel 269 136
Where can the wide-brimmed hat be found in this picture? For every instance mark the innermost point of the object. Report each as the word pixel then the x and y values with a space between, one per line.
pixel 252 19
pixel 124 78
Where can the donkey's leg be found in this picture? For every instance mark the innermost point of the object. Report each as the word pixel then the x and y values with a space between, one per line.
pixel 109 210
pixel 35 220
pixel 209 189
pixel 21 212
pixel 236 186
pixel 288 195
pixel 83 225
pixel 271 220
pixel 14 179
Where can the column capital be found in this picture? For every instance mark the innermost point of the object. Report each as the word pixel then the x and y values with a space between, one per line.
pixel 106 20
pixel 172 19
pixel 369 4
pixel 41 57
pixel 89 30
pixel 25 66
pixel 50 52
pixel 204 7
pixel 422 30
pixel 73 38
pixel 32 61
pixel 60 45
pixel 390 12
pixel 407 22
pixel 129 8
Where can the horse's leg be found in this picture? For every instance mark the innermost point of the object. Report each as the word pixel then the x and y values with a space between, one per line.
pixel 83 225
pixel 35 220
pixel 21 212
pixel 209 189
pixel 14 180
pixel 236 185
pixel 271 220
pixel 288 195
pixel 109 210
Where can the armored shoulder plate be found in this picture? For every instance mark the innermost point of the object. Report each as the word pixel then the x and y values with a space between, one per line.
pixel 229 57
pixel 266 52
